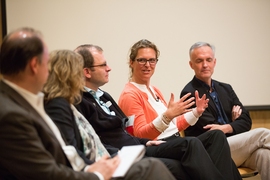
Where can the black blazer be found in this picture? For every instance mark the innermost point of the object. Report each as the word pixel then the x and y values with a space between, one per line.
pixel 60 112
pixel 110 129
pixel 29 149
pixel 227 98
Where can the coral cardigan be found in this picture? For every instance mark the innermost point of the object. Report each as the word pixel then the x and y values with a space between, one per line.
pixel 133 101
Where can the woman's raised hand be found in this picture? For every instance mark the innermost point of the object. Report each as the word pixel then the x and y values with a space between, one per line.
pixel 176 108
pixel 201 103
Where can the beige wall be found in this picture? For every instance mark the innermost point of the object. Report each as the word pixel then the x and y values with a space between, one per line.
pixel 259 118
pixel 239 30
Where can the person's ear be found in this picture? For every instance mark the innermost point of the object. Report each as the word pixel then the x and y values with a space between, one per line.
pixel 191 64
pixel 34 63
pixel 87 73
pixel 131 63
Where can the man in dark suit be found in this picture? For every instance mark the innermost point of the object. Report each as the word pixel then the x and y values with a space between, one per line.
pixel 31 144
pixel 226 113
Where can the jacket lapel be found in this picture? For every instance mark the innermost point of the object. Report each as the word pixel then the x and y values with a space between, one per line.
pixel 203 90
pixel 18 99
pixel 220 92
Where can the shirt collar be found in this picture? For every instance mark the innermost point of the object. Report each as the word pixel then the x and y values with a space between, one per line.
pixel 206 85
pixel 142 87
pixel 36 100
pixel 99 93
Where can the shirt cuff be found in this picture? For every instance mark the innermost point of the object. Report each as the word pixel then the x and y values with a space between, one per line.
pixel 99 175
pixel 159 124
pixel 190 118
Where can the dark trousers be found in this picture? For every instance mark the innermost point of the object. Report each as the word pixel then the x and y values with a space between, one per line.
pixel 147 169
pixel 175 167
pixel 204 157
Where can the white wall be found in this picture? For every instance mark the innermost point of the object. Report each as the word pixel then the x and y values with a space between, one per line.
pixel 240 30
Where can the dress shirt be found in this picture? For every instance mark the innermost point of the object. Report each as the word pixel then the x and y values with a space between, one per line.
pixel 214 96
pixel 97 94
pixel 222 118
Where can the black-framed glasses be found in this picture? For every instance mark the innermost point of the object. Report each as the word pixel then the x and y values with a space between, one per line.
pixel 100 65
pixel 143 61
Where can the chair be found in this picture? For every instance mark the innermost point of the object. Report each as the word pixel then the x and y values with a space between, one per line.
pixel 247 172
pixel 244 171
pixel 129 124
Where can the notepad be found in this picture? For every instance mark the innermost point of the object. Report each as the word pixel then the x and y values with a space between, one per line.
pixel 128 155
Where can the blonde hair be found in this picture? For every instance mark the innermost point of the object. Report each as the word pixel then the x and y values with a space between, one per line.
pixel 65 76
pixel 144 43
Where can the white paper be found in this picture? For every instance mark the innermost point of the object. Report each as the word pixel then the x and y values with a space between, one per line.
pixel 128 155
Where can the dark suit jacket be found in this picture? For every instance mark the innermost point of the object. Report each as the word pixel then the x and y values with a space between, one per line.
pixel 29 149
pixel 227 98
pixel 110 128
pixel 60 112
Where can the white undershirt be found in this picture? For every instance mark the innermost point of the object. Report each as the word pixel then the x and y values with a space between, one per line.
pixel 160 108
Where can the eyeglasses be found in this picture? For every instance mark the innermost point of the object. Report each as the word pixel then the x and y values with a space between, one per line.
pixel 143 61
pixel 100 65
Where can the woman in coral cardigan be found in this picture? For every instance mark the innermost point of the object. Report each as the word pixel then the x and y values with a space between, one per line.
pixel 145 105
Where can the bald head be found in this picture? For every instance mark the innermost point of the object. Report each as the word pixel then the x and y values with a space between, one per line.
pixel 18 48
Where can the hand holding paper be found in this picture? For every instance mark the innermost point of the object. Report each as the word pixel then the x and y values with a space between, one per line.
pixel 128 156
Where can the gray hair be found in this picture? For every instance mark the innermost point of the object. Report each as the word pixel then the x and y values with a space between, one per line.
pixel 201 44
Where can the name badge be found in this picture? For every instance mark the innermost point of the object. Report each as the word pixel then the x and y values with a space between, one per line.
pixel 108 103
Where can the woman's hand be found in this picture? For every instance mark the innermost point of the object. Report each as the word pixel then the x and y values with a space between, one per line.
pixel 154 143
pixel 201 103
pixel 176 108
